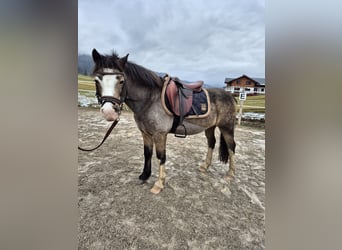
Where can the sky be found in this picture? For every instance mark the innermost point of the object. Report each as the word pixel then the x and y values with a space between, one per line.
pixel 191 39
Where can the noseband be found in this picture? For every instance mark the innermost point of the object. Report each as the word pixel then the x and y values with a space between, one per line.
pixel 117 103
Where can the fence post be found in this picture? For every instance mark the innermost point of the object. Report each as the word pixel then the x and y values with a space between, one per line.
pixel 240 112
pixel 242 98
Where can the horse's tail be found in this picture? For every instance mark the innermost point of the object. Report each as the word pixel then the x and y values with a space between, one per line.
pixel 223 150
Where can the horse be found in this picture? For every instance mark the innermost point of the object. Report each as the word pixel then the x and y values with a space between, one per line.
pixel 120 81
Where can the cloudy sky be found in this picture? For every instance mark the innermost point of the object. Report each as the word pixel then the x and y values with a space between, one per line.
pixel 192 39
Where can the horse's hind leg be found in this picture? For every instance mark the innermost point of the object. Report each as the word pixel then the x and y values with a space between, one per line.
pixel 160 142
pixel 227 151
pixel 210 134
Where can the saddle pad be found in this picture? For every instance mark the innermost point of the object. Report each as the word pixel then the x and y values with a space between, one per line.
pixel 199 104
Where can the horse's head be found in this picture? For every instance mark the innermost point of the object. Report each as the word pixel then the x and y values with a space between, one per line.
pixel 110 83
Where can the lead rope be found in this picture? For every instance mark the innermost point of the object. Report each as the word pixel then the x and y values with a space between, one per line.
pixel 105 137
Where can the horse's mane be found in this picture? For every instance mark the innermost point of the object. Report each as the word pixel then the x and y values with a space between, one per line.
pixel 137 73
pixel 142 75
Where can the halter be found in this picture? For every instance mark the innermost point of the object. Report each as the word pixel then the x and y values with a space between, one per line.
pixel 117 103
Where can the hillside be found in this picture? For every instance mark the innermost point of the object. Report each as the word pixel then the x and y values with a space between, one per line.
pixel 85 64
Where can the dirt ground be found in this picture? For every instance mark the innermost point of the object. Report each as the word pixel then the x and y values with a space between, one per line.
pixel 195 210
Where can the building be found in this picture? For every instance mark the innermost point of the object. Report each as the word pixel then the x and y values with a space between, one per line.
pixel 246 84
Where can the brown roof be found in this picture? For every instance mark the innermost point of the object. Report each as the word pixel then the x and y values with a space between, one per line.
pixel 258 81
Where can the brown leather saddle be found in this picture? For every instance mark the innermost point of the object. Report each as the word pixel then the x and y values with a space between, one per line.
pixel 179 94
pixel 180 97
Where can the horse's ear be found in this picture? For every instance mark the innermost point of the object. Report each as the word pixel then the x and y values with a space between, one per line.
pixel 122 62
pixel 96 56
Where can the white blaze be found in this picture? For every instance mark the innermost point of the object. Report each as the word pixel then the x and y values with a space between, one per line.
pixel 108 84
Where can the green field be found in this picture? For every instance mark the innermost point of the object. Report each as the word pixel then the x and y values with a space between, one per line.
pixel 253 104
pixel 84 78
pixel 85 83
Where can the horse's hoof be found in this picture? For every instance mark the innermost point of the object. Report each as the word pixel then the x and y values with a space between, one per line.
pixel 202 169
pixel 229 178
pixel 156 189
pixel 144 176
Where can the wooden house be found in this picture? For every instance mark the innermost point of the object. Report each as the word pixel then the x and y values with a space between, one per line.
pixel 246 84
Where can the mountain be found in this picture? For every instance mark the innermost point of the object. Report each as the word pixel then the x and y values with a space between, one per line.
pixel 85 64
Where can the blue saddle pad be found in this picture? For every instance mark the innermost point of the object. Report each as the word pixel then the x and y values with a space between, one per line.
pixel 199 104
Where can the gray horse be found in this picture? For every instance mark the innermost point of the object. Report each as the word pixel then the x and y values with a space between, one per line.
pixel 118 80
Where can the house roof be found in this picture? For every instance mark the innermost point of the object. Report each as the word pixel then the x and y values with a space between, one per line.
pixel 257 80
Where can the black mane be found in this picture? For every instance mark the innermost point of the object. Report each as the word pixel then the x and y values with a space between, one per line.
pixel 107 61
pixel 142 75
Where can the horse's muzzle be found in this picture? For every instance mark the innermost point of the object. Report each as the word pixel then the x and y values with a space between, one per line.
pixel 108 112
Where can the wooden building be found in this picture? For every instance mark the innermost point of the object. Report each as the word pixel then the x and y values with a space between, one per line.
pixel 246 84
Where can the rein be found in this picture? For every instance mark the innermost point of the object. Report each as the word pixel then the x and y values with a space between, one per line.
pixel 104 138
pixel 118 106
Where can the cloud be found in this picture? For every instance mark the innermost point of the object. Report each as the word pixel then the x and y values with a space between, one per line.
pixel 193 39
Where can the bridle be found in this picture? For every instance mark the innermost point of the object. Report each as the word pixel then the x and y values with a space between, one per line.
pixel 117 105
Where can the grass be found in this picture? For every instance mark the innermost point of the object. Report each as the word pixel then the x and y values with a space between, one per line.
pixel 85 83
pixel 84 78
pixel 86 86
pixel 253 104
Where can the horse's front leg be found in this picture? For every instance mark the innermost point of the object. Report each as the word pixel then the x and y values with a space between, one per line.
pixel 148 151
pixel 160 142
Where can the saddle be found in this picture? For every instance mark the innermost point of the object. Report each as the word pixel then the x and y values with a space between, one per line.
pixel 180 95
pixel 195 86
pixel 178 98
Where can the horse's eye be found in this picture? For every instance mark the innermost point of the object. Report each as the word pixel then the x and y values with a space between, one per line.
pixel 120 78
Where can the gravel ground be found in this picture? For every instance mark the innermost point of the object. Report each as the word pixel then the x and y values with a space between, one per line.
pixel 195 210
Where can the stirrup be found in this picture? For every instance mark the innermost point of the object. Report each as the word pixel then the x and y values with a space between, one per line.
pixel 181 135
